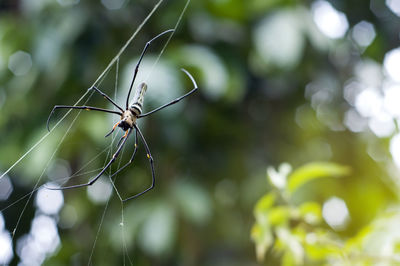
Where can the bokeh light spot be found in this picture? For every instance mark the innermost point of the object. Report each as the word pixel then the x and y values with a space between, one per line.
pixel 113 4
pixel 49 201
pixel 395 149
pixel 281 50
pixel 100 191
pixel 44 231
pixel 354 121
pixel 363 33
pixel 391 63
pixel 58 170
pixel 368 102
pixel 42 240
pixel 350 91
pixel 394 5
pixel 335 213
pixel 6 253
pixel 158 231
pixel 5 188
pixel 68 2
pixel 382 124
pixel 216 77
pixel 194 202
pixel 391 100
pixel 329 21
pixel 2 223
pixel 369 73
pixel 20 63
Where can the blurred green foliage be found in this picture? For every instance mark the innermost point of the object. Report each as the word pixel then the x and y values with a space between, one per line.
pixel 294 231
pixel 263 100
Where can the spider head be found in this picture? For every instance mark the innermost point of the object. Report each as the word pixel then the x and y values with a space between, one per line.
pixel 124 125
pixel 138 98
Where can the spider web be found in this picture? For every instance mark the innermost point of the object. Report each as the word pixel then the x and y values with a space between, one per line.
pixel 108 150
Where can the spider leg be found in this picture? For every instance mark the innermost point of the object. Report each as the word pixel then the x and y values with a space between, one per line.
pixel 94 179
pixel 131 160
pixel 112 130
pixel 88 108
pixel 153 182
pixel 177 99
pixel 140 60
pixel 107 98
pixel 124 136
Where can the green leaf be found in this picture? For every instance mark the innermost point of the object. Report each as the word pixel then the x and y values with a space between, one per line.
pixel 322 251
pixel 358 241
pixel 313 171
pixel 311 212
pixel 264 204
pixel 321 244
pixel 288 259
pixel 279 215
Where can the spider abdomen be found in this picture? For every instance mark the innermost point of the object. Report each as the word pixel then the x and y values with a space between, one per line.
pixel 128 118
pixel 138 99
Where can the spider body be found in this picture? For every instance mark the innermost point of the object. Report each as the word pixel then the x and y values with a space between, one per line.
pixel 130 115
pixel 127 123
pixel 128 119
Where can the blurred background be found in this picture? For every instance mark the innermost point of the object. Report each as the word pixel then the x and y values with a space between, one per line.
pixel 283 84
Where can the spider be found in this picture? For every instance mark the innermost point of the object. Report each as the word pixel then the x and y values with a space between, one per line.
pixel 127 122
